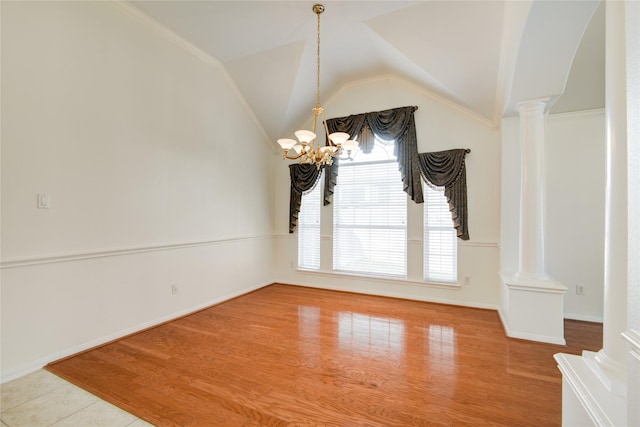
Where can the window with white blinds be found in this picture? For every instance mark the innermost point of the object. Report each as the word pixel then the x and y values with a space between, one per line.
pixel 440 245
pixel 309 229
pixel 370 215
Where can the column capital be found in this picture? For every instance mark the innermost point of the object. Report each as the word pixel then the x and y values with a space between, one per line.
pixel 533 105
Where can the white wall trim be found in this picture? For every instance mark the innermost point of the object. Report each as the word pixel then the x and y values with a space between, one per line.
pixel 584 317
pixel 467 243
pixel 77 256
pixel 32 366
pixel 380 279
pixel 399 295
pixel 473 244
pixel 581 113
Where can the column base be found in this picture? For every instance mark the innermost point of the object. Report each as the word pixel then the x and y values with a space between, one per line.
pixel 586 400
pixel 532 309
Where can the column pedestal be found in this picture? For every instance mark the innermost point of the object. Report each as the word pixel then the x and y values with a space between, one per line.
pixel 533 310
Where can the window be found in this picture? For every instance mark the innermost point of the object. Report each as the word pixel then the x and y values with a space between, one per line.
pixel 440 245
pixel 369 215
pixel 309 229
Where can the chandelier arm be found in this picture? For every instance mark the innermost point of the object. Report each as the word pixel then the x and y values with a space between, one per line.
pixel 286 156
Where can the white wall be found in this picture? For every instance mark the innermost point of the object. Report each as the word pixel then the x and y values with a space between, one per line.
pixel 575 172
pixel 439 126
pixel 133 136
pixel 575 179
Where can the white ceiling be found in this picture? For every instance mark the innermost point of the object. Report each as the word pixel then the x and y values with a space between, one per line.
pixel 456 49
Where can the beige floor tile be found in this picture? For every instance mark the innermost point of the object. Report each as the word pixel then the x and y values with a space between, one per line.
pixel 140 423
pixel 29 387
pixel 98 414
pixel 49 408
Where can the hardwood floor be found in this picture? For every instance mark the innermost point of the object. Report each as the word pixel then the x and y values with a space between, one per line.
pixel 287 355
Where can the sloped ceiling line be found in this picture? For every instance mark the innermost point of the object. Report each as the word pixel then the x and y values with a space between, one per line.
pixel 189 47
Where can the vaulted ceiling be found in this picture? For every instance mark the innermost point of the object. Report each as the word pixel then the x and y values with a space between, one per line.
pixel 469 52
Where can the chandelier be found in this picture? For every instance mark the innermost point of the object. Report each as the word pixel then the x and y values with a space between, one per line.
pixel 305 149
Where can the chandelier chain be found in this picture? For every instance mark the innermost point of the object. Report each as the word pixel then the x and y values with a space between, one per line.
pixel 318 64
pixel 306 150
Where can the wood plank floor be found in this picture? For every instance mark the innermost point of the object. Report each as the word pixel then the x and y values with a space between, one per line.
pixel 294 356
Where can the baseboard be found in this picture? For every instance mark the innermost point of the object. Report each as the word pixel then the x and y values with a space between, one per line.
pixel 447 301
pixel 584 318
pixel 35 365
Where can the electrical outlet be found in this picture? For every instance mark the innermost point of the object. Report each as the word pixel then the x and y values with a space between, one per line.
pixel 44 201
pixel 174 289
pixel 467 280
pixel 579 289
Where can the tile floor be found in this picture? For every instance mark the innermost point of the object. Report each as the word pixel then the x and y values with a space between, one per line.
pixel 43 399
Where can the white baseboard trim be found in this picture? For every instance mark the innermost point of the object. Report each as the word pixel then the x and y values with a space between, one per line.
pixel 584 318
pixel 398 295
pixel 35 365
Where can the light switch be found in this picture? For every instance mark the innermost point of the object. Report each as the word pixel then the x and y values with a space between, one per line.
pixel 44 201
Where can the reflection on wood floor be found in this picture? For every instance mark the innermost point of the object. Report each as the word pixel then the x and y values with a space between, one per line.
pixel 287 355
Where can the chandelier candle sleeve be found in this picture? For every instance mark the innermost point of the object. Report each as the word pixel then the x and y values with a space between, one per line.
pixel 304 150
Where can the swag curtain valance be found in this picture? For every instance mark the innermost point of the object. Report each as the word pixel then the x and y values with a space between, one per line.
pixel 304 178
pixel 397 124
pixel 444 169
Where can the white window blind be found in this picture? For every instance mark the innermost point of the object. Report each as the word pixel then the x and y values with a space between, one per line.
pixel 309 229
pixel 369 215
pixel 440 244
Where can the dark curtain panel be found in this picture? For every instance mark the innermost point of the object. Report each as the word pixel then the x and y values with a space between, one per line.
pixel 353 125
pixel 446 169
pixel 440 169
pixel 396 124
pixel 303 178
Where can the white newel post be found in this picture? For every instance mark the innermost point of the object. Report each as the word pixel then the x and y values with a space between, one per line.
pixel 594 386
pixel 532 303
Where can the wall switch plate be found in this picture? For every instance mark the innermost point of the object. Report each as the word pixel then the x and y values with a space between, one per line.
pixel 579 289
pixel 44 201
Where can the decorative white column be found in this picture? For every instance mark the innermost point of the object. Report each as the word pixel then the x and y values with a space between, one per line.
pixel 632 334
pixel 531 263
pixel 532 303
pixel 594 385
pixel 612 358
